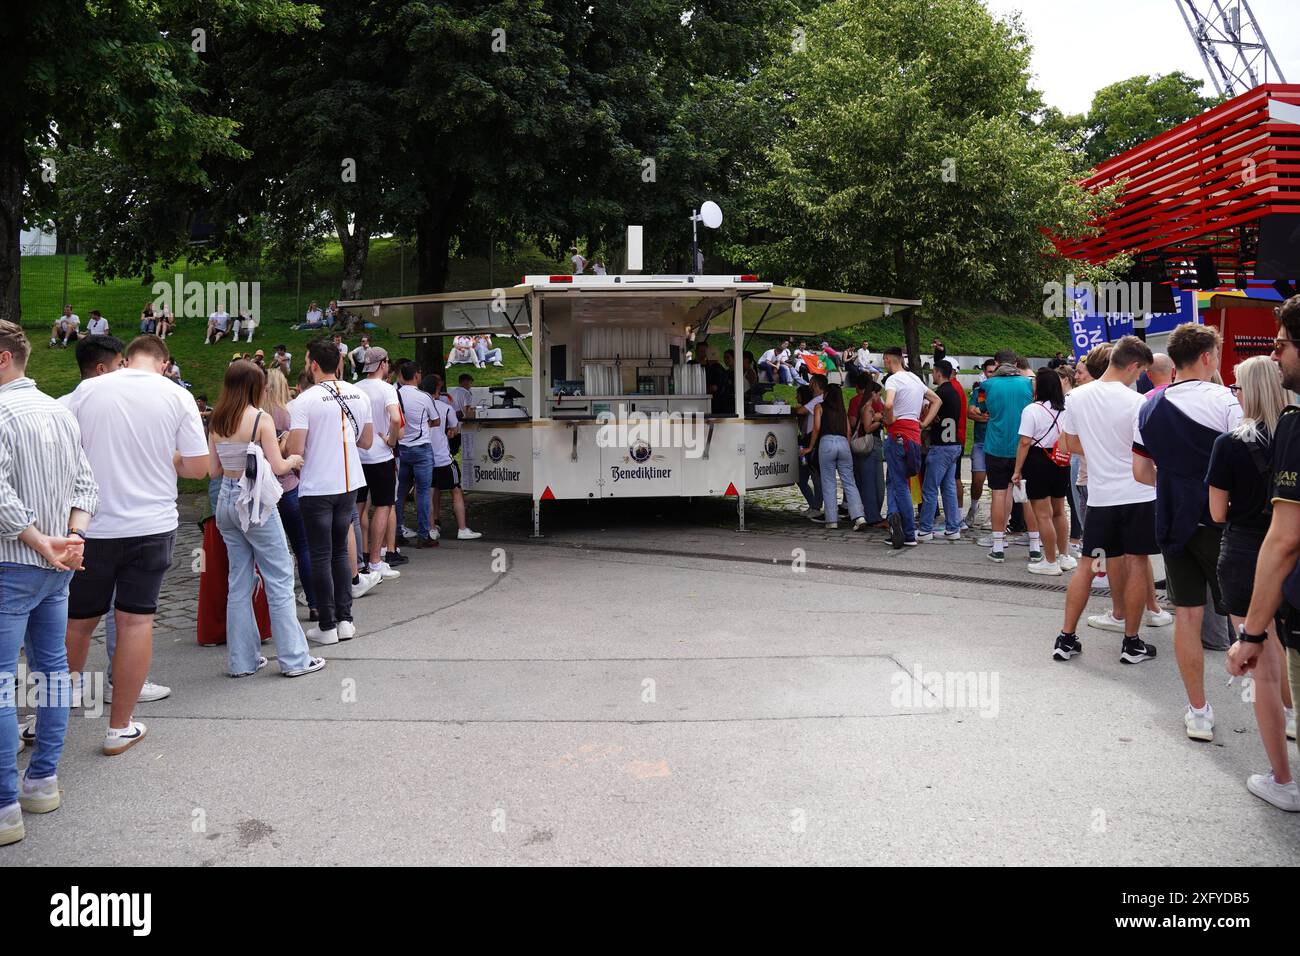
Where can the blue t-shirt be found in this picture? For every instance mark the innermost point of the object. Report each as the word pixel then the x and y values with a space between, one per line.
pixel 1005 397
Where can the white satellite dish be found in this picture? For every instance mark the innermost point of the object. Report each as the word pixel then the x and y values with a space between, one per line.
pixel 711 214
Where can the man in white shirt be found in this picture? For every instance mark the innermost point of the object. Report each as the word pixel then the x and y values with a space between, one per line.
pixel 414 450
pixel 358 356
pixel 218 324
pixel 140 433
pixel 98 325
pixel 66 328
pixel 910 407
pixel 1120 531
pixel 282 360
pixel 579 263
pixel 329 423
pixel 462 395
pixel 446 473
pixel 378 461
pixel 776 363
pixel 245 321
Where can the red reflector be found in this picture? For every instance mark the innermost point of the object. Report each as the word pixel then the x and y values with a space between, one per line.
pixel 731 491
pixel 746 278
pixel 561 278
pixel 548 495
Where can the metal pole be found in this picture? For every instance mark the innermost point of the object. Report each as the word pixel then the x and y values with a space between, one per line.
pixel 65 276
pixel 297 300
pixel 695 219
pixel 401 268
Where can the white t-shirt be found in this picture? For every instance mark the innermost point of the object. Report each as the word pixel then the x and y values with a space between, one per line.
pixel 220 320
pixel 438 433
pixel 97 326
pixel 1213 406
pixel 72 321
pixel 331 463
pixel 811 412
pixel 131 423
pixel 382 397
pixel 1101 413
pixel 1041 422
pixel 283 361
pixel 313 317
pixel 579 264
pixel 417 407
pixel 909 395
pixel 460 397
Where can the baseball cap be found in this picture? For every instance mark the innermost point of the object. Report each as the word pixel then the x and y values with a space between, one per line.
pixel 374 357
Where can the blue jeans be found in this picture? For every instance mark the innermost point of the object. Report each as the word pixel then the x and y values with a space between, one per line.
pixel 866 473
pixel 415 464
pixel 34 611
pixel 810 485
pixel 900 494
pixel 834 457
pixel 941 477
pixel 265 544
pixel 291 518
pixel 777 373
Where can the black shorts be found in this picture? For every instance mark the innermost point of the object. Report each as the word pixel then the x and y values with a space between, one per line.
pixel 1000 471
pixel 1189 572
pixel 1044 478
pixel 1117 530
pixel 1236 570
pixel 446 477
pixel 134 567
pixel 380 488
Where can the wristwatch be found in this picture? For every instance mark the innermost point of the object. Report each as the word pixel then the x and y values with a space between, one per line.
pixel 80 534
pixel 1250 638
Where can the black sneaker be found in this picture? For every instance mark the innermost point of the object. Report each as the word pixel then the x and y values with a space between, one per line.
pixel 896 530
pixel 396 559
pixel 1067 646
pixel 1136 651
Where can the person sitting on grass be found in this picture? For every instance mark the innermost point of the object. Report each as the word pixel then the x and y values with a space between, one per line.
pixel 66 328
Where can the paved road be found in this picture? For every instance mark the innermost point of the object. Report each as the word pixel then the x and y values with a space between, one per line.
pixel 653 687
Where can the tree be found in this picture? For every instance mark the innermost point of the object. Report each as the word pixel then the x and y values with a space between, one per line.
pixel 903 160
pixel 115 83
pixel 1128 113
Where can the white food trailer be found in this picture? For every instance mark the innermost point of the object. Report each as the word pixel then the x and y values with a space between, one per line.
pixel 612 408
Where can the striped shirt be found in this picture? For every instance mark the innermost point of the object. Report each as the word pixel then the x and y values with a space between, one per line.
pixel 44 473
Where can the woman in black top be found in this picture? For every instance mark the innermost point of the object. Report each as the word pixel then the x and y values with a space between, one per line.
pixel 1239 477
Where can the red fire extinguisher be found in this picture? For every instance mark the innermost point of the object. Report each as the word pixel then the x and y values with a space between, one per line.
pixel 214 579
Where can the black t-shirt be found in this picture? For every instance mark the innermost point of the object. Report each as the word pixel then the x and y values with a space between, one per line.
pixel 944 428
pixel 1286 487
pixel 1234 469
pixel 716 380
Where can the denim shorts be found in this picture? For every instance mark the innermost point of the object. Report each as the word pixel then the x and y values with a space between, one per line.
pixel 134 567
pixel 977 462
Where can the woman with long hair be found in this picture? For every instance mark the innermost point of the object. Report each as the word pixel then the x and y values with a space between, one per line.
pixel 864 419
pixel 1239 477
pixel 810 485
pixel 1047 482
pixel 238 421
pixel 831 426
pixel 276 401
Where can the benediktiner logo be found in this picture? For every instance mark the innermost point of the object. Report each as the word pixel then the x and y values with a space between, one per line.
pixel 78 909
pixel 639 452
pixel 496 449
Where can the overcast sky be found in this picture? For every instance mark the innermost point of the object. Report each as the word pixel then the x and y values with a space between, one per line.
pixel 1083 45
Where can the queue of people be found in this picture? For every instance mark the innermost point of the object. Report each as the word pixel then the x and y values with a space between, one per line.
pixel 88 484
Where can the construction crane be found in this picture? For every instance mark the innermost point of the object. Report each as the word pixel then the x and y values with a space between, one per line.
pixel 1231 43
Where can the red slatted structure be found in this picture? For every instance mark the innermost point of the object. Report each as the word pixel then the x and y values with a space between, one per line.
pixel 1203 188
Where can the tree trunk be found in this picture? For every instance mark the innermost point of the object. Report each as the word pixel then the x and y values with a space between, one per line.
pixel 911 323
pixel 11 224
pixel 356 250
pixel 434 228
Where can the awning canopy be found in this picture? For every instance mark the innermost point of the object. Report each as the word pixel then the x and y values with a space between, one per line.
pixel 768 309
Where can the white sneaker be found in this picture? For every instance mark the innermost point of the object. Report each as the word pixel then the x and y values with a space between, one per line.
pixel 1067 562
pixel 317 636
pixel 347 630
pixel 11 824
pixel 465 534
pixel 366 583
pixel 385 572
pixel 313 664
pixel 408 532
pixel 119 740
pixel 1199 726
pixel 27 732
pixel 1159 618
pixel 1106 622
pixel 1290 722
pixel 1261 785
pixel 302 599
pixel 39 796
pixel 1049 568
pixel 148 693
